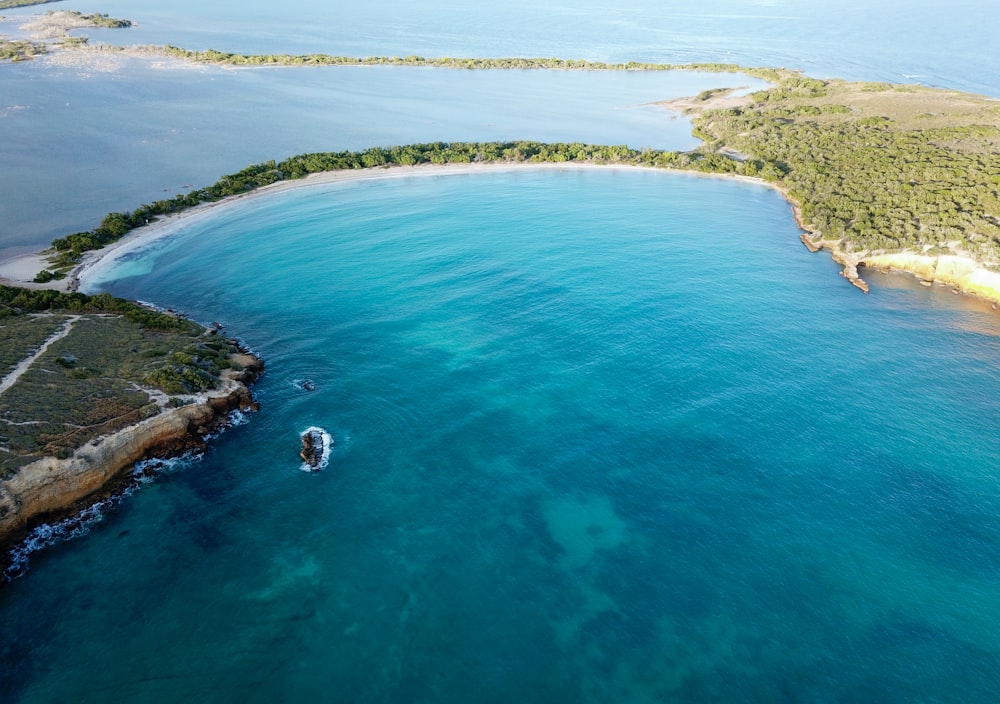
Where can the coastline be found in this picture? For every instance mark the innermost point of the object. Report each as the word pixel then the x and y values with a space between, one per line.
pixel 963 274
pixel 20 270
pixel 52 489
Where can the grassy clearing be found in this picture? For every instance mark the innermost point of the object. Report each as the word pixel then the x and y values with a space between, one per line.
pixel 21 336
pixel 96 380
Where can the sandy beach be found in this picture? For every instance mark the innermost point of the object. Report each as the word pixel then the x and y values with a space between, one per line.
pixel 969 278
pixel 21 270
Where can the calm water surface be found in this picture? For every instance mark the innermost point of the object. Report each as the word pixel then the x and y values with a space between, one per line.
pixel 107 137
pixel 590 446
pixel 928 41
pixel 86 140
pixel 600 436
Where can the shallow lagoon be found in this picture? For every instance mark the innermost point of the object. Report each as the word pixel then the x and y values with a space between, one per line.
pixel 113 134
pixel 950 44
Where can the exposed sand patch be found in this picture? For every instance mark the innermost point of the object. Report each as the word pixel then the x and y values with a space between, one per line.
pixel 21 270
pixel 99 59
pixel 54 25
pixel 717 100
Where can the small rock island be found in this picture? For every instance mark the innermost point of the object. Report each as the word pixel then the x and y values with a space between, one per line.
pixel 315 449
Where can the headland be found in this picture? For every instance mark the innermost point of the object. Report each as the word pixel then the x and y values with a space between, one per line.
pixel 93 384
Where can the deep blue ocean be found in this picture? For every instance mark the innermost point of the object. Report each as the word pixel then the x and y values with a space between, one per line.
pixel 599 436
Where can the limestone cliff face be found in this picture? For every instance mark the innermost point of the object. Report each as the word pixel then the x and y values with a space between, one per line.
pixel 965 274
pixel 50 487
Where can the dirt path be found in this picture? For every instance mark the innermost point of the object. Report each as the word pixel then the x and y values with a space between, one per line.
pixel 11 379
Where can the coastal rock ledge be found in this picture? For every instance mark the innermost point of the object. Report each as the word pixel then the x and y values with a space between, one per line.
pixel 52 488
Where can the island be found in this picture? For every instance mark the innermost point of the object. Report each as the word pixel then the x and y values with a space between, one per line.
pixel 52 29
pixel 93 384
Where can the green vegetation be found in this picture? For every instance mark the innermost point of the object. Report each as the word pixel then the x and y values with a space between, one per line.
pixel 97 19
pixel 68 250
pixel 212 56
pixel 93 381
pixel 879 168
pixel 876 166
pixel 18 301
pixel 45 276
pixel 69 42
pixel 192 369
pixel 11 4
pixel 19 50
pixel 56 26
pixel 20 335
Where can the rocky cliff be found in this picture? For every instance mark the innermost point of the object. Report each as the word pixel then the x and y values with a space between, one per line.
pixel 963 273
pixel 50 487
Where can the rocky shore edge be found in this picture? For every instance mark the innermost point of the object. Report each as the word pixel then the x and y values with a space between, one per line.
pixel 963 274
pixel 50 489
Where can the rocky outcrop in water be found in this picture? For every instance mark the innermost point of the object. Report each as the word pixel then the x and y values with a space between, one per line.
pixel 312 448
pixel 51 488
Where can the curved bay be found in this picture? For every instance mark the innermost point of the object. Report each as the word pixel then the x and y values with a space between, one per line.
pixel 599 435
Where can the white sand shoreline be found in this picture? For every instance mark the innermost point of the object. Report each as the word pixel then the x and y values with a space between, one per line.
pixel 19 271
pixel 972 279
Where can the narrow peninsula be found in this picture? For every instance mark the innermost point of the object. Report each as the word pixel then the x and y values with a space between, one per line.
pixel 881 175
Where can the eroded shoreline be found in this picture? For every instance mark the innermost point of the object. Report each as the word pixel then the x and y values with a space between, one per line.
pixel 52 489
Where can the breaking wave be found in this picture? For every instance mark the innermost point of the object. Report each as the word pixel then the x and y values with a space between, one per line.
pixel 79 525
pixel 326 443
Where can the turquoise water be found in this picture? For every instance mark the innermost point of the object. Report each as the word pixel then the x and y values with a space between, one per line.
pixel 599 436
pixel 90 141
pixel 596 440
pixel 84 140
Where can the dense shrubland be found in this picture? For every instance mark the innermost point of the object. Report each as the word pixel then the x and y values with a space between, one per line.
pixel 875 166
pixel 880 167
pixel 19 301
pixel 95 380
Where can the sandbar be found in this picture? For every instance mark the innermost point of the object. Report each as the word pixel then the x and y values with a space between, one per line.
pixel 21 270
